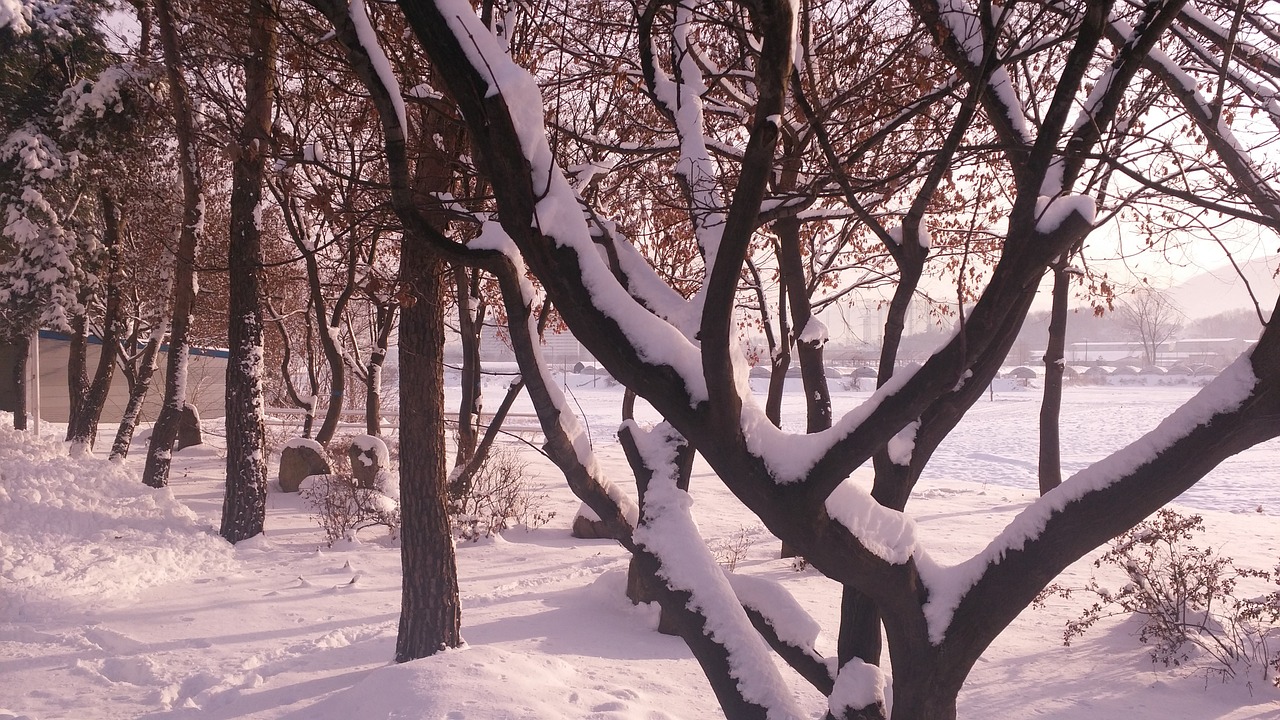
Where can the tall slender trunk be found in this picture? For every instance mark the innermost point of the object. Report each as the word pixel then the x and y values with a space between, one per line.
pixel 160 451
pixel 82 431
pixel 779 360
pixel 386 320
pixel 244 507
pixel 470 321
pixel 1050 470
pixel 809 348
pixel 77 367
pixel 22 347
pixel 138 392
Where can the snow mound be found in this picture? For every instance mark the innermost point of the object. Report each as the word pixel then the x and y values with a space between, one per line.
pixel 79 529
pixel 485 681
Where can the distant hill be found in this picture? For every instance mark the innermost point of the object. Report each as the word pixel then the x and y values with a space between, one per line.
pixel 1222 289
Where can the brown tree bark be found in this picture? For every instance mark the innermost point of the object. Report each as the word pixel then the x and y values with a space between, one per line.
pixel 430 611
pixel 138 393
pixel 244 506
pixel 160 450
pixel 82 430
pixel 77 367
pixel 22 348
pixel 470 323
pixel 1050 463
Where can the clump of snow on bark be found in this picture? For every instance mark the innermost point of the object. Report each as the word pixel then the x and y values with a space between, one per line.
pixel 15 16
pixel 948 585
pixel 1051 212
pixel 74 530
pixel 903 444
pixel 381 65
pixel 790 456
pixel 858 685
pixel 814 333
pixel 888 534
pixel 789 620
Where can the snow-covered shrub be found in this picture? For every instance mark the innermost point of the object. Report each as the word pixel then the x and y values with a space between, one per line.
pixel 1186 597
pixel 731 550
pixel 342 509
pixel 497 498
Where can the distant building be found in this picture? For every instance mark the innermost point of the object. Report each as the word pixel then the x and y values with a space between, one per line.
pixel 563 350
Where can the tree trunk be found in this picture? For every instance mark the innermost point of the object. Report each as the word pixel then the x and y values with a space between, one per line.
pixel 244 506
pixel 160 451
pixel 859 634
pixel 817 395
pixel 1050 470
pixel 325 319
pixel 82 431
pixel 373 392
pixel 22 348
pixel 430 612
pixel 138 393
pixel 77 369
pixel 469 323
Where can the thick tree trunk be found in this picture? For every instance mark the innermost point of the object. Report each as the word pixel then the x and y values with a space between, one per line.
pixel 138 393
pixel 82 431
pixel 1050 470
pixel 244 506
pixel 859 636
pixel 160 451
pixel 430 612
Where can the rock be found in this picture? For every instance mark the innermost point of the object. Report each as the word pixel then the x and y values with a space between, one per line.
pixel 300 459
pixel 189 433
pixel 588 526
pixel 369 460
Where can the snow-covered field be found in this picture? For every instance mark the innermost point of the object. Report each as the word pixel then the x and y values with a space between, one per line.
pixel 117 601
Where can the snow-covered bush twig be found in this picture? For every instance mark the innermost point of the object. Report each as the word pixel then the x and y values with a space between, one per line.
pixel 341 508
pixel 1185 596
pixel 496 498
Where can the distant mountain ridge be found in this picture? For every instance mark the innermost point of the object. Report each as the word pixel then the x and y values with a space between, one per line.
pixel 1221 289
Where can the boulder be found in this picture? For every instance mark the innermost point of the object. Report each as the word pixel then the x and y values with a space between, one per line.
pixel 189 433
pixel 300 459
pixel 369 461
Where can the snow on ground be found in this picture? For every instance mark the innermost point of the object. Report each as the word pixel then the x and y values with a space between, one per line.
pixel 119 601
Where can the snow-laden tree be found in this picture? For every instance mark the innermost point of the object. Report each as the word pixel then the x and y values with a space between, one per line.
pixel 47 240
pixel 1046 103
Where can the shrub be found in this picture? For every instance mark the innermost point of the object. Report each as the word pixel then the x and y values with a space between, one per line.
pixel 1185 596
pixel 342 509
pixel 731 550
pixel 496 498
